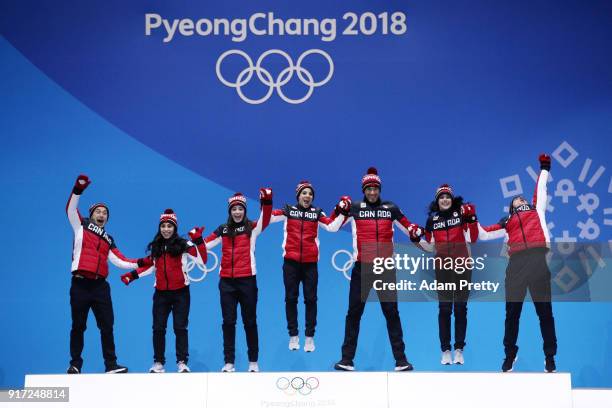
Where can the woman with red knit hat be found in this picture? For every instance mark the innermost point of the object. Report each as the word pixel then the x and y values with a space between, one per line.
pixel 372 221
pixel 450 226
pixel 238 284
pixel 169 254
pixel 301 254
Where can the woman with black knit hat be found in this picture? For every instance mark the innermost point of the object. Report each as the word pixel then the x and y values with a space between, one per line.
pixel 169 254
pixel 301 254
pixel 451 225
pixel 528 240
pixel 238 284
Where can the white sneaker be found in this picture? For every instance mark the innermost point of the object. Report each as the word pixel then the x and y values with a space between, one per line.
pixel 228 368
pixel 157 368
pixel 182 367
pixel 458 357
pixel 447 358
pixel 294 343
pixel 253 367
pixel 309 345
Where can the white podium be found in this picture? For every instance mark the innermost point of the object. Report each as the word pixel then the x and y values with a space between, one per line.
pixel 321 389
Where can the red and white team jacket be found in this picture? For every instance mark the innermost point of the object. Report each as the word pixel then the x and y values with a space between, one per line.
pixel 525 227
pixel 238 252
pixel 171 271
pixel 301 230
pixel 93 246
pixel 448 234
pixel 372 228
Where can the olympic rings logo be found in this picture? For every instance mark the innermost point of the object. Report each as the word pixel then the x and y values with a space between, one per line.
pixel 347 265
pixel 297 385
pixel 265 77
pixel 191 264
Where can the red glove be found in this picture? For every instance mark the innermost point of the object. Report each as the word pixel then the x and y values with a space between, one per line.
pixel 81 184
pixel 196 235
pixel 544 161
pixel 129 277
pixel 468 211
pixel 415 233
pixel 265 195
pixel 344 205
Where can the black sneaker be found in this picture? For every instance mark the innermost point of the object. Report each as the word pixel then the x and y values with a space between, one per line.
pixel 116 369
pixel 549 365
pixel 508 364
pixel 344 365
pixel 403 365
pixel 73 370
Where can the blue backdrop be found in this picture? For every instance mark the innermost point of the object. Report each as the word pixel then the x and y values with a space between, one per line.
pixel 468 95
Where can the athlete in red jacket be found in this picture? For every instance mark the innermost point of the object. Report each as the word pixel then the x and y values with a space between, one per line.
pixel 238 284
pixel 301 254
pixel 92 248
pixel 169 255
pixel 451 225
pixel 372 222
pixel 527 239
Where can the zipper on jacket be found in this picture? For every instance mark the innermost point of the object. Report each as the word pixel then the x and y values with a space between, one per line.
pixel 98 253
pixel 301 238
pixel 233 256
pixel 522 230
pixel 165 270
pixel 447 239
pixel 376 221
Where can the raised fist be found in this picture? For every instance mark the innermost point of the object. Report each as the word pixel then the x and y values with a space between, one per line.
pixel 468 212
pixel 265 195
pixel 544 161
pixel 81 184
pixel 196 235
pixel 415 233
pixel 344 205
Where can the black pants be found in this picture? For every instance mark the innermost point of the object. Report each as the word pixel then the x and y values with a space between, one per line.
pixel 177 302
pixel 449 302
pixel 528 270
pixel 361 280
pixel 232 292
pixel 306 273
pixel 94 294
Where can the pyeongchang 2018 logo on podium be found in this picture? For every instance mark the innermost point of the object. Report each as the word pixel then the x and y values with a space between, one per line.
pixel 257 72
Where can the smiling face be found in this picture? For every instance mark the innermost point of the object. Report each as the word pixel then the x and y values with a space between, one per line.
pixel 99 216
pixel 518 201
pixel 237 213
pixel 166 229
pixel 305 197
pixel 445 201
pixel 372 194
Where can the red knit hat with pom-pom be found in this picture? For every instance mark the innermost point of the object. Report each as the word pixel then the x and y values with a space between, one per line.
pixel 303 185
pixel 236 199
pixel 169 216
pixel 444 189
pixel 371 179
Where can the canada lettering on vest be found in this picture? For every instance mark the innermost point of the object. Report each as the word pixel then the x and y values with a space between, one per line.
pixel 99 231
pixel 301 214
pixel 375 214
